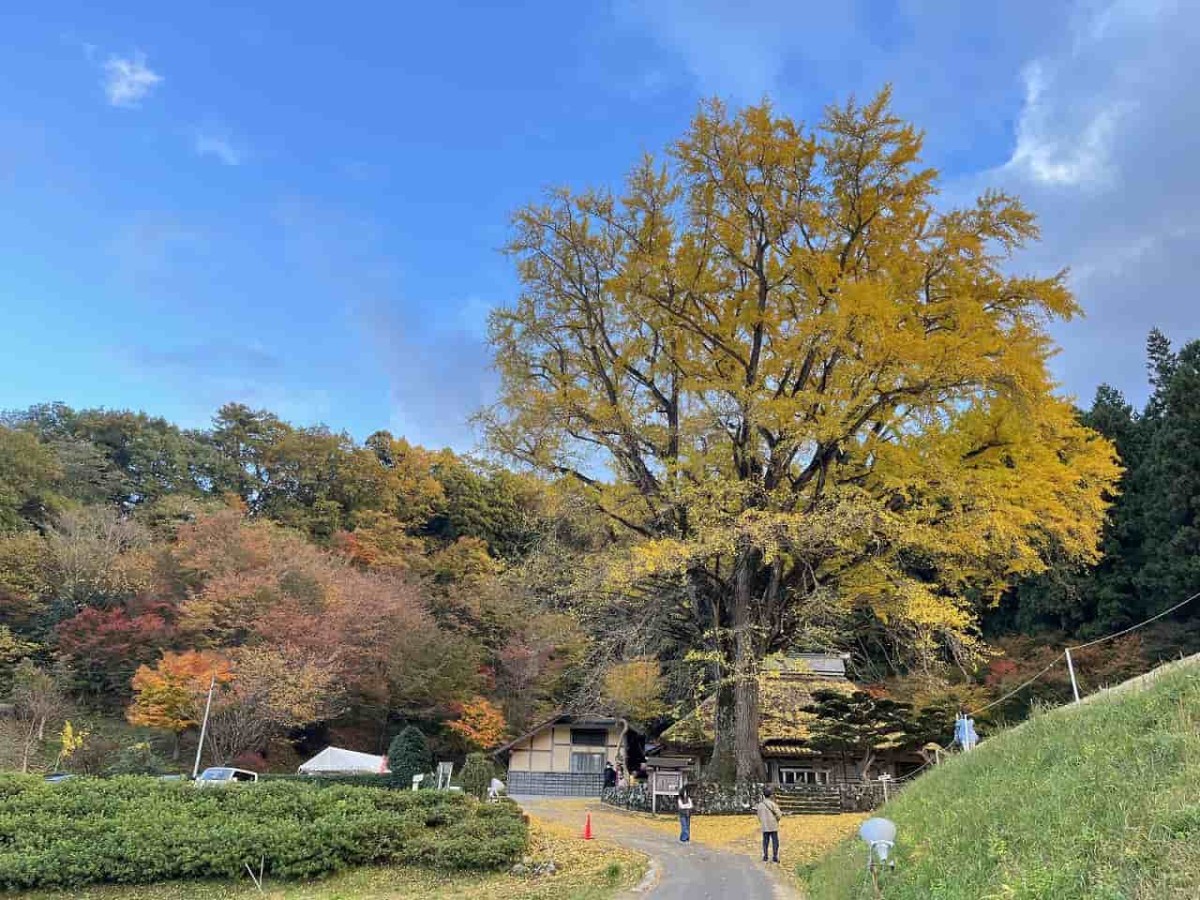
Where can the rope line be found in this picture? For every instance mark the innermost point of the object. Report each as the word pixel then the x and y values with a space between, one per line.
pixel 1054 662
pixel 1020 687
pixel 913 774
pixel 1165 612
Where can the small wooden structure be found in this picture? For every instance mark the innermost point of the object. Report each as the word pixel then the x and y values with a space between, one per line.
pixel 565 755
pixel 668 774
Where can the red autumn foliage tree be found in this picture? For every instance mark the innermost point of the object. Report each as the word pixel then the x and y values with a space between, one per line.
pixel 104 647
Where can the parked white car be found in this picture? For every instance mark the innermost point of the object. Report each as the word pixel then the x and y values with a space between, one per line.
pixel 219 776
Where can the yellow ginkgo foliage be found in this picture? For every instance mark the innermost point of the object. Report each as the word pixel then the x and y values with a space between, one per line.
pixel 810 384
pixel 70 740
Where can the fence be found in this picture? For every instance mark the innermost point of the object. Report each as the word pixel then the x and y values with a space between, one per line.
pixel 556 784
pixel 718 799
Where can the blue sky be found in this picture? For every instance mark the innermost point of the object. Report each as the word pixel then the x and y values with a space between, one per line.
pixel 301 208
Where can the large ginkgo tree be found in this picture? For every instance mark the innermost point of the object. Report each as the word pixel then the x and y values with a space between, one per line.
pixel 793 379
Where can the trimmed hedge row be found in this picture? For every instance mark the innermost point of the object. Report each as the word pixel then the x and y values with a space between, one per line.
pixel 388 782
pixel 140 830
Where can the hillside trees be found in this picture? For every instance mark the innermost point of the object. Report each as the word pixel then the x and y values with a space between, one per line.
pixel 104 647
pixel 1172 475
pixel 1151 540
pixel 119 457
pixel 269 691
pixel 810 387
pixel 390 568
pixel 29 475
pixel 171 694
pixel 36 698
pixel 480 725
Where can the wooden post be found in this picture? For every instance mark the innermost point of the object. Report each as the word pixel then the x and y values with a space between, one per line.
pixel 1071 669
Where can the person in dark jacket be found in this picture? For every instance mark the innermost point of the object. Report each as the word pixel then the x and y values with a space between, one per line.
pixel 610 775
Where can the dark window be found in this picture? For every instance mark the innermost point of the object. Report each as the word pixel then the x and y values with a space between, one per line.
pixel 589 737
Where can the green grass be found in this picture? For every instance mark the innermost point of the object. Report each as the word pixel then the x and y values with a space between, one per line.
pixel 1097 801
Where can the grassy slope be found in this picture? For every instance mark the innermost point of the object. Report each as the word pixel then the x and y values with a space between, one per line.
pixel 1098 801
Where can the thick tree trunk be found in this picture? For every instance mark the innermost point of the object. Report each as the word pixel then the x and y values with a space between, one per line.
pixel 722 768
pixel 750 766
pixel 723 765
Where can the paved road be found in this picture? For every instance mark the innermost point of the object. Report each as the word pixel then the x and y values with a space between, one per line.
pixel 685 871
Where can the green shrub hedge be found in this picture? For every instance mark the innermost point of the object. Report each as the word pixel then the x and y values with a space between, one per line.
pixel 387 782
pixel 139 830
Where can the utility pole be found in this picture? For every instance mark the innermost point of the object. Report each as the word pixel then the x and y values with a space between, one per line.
pixel 204 726
pixel 1071 669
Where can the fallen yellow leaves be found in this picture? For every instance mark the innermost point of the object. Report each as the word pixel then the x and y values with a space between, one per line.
pixel 803 839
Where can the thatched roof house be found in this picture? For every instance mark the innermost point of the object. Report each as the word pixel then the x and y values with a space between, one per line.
pixel 786 687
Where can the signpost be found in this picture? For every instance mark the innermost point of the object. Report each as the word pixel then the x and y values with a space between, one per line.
pixel 665 782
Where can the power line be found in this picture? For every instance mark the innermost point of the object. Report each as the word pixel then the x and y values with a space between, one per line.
pixel 1165 612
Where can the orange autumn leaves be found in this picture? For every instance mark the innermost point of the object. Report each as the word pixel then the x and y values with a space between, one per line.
pixel 480 723
pixel 171 694
pixel 296 636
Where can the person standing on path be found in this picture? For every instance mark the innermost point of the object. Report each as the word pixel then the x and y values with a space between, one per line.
pixel 685 816
pixel 769 815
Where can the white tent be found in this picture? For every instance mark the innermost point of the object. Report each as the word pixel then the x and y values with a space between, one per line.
pixel 335 760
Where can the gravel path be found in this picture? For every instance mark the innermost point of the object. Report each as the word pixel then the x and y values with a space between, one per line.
pixel 684 871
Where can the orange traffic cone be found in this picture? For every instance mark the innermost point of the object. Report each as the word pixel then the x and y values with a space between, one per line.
pixel 587 828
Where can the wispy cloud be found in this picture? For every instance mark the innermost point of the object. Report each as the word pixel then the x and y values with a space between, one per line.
pixel 218 147
pixel 1052 154
pixel 148 248
pixel 207 357
pixel 434 354
pixel 1101 153
pixel 128 80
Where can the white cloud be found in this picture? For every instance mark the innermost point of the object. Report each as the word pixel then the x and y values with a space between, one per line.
pixel 1083 108
pixel 1104 154
pixel 1052 154
pixel 128 80
pixel 220 148
pixel 739 50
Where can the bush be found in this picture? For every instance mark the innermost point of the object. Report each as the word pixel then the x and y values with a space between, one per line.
pixel 139 830
pixel 477 774
pixel 139 759
pixel 386 782
pixel 93 758
pixel 408 754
